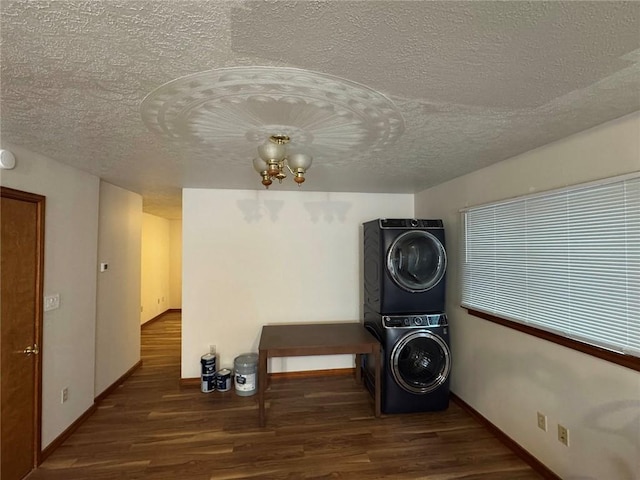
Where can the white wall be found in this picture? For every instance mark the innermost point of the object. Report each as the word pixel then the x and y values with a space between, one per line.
pixel 175 264
pixel 156 264
pixel 508 376
pixel 117 340
pixel 252 258
pixel 71 233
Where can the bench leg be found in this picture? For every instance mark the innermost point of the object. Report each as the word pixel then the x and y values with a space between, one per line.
pixel 377 359
pixel 262 385
pixel 359 367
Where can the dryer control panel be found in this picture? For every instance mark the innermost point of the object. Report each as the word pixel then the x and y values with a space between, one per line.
pixel 414 321
pixel 410 223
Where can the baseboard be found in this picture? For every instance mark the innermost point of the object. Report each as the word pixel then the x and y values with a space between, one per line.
pixel 536 464
pixel 117 383
pixel 191 382
pixel 333 372
pixel 60 439
pixel 159 316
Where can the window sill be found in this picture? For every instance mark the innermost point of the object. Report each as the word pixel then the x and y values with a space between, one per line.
pixel 627 361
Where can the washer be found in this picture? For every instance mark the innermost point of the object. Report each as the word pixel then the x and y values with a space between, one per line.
pixel 416 361
pixel 404 266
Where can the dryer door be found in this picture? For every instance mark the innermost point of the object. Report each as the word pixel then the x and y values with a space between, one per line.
pixel 420 362
pixel 416 261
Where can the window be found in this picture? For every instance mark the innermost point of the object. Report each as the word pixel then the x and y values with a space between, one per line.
pixel 564 265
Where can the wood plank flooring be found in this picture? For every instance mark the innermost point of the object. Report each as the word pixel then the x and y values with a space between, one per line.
pixel 317 428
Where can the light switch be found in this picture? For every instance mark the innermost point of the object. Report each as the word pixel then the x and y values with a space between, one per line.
pixel 104 267
pixel 51 302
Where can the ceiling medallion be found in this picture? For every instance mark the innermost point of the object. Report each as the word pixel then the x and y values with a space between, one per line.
pixel 231 111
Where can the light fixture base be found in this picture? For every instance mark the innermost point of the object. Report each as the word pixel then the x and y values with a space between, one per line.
pixel 280 139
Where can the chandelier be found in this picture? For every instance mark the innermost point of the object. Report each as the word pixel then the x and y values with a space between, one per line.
pixel 274 157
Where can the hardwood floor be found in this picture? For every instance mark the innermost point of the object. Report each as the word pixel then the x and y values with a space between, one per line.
pixel 317 428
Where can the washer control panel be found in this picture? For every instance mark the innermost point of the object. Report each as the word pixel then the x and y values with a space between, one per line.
pixel 414 321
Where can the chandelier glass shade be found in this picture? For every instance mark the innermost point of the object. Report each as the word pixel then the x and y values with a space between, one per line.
pixel 274 157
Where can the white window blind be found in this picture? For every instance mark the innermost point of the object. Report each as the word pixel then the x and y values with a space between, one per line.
pixel 566 261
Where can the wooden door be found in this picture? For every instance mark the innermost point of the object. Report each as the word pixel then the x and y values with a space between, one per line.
pixel 21 269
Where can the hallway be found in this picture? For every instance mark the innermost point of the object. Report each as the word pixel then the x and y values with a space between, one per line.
pixel 320 427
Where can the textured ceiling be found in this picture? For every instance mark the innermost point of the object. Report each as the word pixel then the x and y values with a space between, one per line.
pixel 467 84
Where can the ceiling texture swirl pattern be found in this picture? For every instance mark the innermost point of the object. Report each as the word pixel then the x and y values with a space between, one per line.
pixel 390 96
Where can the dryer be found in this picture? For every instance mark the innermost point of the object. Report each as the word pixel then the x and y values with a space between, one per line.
pixel 416 361
pixel 404 266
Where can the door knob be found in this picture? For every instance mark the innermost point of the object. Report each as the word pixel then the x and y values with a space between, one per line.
pixel 31 350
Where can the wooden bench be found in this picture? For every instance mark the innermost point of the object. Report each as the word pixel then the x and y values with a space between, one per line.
pixel 293 340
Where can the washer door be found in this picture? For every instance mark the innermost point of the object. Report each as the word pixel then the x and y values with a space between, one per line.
pixel 420 362
pixel 416 261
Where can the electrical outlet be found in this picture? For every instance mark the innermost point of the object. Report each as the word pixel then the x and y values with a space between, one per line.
pixel 64 395
pixel 542 421
pixel 563 435
pixel 212 349
pixel 51 302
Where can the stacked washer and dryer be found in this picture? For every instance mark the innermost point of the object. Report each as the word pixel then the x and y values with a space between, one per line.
pixel 405 262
